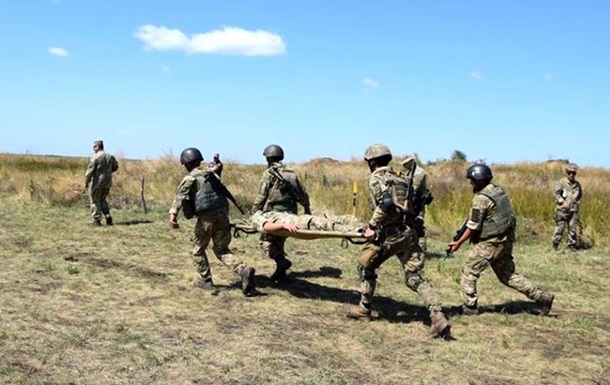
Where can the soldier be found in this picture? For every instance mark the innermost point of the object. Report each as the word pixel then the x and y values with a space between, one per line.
pixel 99 177
pixel 568 193
pixel 197 197
pixel 272 220
pixel 390 232
pixel 216 165
pixel 423 197
pixel 491 228
pixel 280 190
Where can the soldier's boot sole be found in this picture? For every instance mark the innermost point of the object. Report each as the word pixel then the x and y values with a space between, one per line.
pixel 247 281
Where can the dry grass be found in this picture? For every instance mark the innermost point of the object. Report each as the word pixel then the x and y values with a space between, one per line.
pixel 81 305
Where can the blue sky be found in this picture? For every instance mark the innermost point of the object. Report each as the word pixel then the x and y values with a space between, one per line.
pixel 504 81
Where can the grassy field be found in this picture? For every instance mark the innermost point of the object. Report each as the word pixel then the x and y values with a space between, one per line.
pixel 83 305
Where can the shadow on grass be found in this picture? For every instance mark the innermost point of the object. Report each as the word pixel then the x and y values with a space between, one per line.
pixel 132 222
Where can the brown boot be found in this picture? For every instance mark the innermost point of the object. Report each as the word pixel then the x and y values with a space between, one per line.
pixel 545 302
pixel 440 326
pixel 207 285
pixel 470 310
pixel 247 281
pixel 357 312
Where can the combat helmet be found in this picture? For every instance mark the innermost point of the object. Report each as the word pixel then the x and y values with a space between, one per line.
pixel 479 172
pixel 190 154
pixel 377 151
pixel 571 168
pixel 273 151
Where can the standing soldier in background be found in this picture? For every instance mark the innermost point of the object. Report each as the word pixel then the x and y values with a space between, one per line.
pixel 422 198
pixel 196 196
pixel 491 228
pixel 99 178
pixel 390 232
pixel 216 165
pixel 280 190
pixel 568 192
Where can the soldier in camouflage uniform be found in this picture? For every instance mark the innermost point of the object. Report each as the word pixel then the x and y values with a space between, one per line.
pixel 390 232
pixel 491 228
pixel 99 177
pixel 423 197
pixel 196 197
pixel 273 220
pixel 568 193
pixel 275 195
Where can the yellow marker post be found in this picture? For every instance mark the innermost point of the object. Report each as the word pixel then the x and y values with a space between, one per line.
pixel 355 193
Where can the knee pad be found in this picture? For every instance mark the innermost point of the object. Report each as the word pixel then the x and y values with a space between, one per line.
pixel 413 280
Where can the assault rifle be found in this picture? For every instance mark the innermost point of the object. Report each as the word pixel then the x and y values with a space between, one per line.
pixel 458 235
pixel 221 189
pixel 287 187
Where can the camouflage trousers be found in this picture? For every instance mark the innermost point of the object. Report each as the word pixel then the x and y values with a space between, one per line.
pixel 405 246
pixel 99 205
pixel 569 219
pixel 499 257
pixel 216 228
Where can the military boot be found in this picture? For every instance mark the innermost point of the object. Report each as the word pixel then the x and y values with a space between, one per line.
pixel 555 246
pixel 207 285
pixel 96 223
pixel 357 312
pixel 470 310
pixel 109 220
pixel 545 302
pixel 440 326
pixel 247 281
pixel 282 265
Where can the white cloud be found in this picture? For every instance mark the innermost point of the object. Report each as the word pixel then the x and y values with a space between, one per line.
pixel 370 83
pixel 164 68
pixel 476 75
pixel 57 51
pixel 226 41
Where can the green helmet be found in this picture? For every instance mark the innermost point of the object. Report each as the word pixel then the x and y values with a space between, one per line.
pixel 273 151
pixel 479 172
pixel 376 151
pixel 190 154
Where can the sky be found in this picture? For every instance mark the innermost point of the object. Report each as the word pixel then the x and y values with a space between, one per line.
pixel 501 81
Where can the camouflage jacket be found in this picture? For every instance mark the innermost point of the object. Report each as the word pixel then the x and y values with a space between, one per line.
pixel 420 187
pixel 567 195
pixel 100 169
pixel 271 198
pixel 378 187
pixel 186 192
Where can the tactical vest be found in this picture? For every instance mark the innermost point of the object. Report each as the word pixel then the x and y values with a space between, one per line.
pixel 279 199
pixel 206 197
pixel 503 219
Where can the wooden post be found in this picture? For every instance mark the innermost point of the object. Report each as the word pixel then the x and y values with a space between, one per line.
pixel 142 196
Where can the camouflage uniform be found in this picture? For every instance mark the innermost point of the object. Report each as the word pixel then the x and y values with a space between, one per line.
pixel 271 198
pixel 212 225
pixel 492 215
pixel 395 238
pixel 420 188
pixel 345 223
pixel 99 178
pixel 567 200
